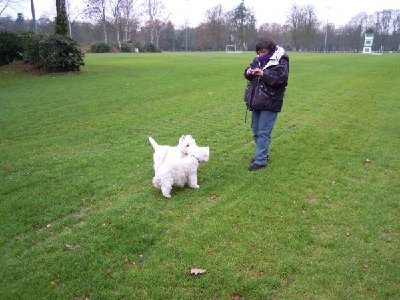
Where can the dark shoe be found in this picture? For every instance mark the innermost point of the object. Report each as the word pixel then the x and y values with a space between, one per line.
pixel 254 167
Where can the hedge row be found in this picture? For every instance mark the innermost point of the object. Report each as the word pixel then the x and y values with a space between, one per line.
pixel 51 53
pixel 101 47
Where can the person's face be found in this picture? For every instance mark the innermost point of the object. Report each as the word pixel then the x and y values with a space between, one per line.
pixel 262 52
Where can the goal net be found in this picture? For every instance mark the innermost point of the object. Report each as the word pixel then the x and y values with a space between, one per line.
pixel 232 49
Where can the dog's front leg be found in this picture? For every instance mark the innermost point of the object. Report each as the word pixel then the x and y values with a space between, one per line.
pixel 166 191
pixel 193 181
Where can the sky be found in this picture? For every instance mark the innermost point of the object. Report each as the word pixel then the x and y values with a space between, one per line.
pixel 338 12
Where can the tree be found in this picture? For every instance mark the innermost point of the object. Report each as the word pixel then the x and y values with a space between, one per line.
pixel 303 26
pixel 167 37
pixel 45 25
pixel 20 22
pixel 61 19
pixel 96 9
pixel 129 20
pixel 239 21
pixel 34 25
pixel 352 32
pixel 242 25
pixel 68 5
pixel 277 32
pixel 8 4
pixel 155 11
pixel 215 27
pixel 383 24
pixel 116 13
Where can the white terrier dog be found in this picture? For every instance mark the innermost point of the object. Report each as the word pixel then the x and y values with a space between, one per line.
pixel 176 166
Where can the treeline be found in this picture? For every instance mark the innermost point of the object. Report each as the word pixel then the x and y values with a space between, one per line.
pixel 302 31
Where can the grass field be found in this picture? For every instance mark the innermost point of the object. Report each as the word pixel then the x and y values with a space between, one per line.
pixel 80 218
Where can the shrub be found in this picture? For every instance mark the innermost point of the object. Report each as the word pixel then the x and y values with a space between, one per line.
pixel 30 44
pixel 10 47
pixel 150 48
pixel 60 53
pixel 126 47
pixel 137 45
pixel 100 47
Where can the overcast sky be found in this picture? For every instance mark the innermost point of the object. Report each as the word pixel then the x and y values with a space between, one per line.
pixel 338 12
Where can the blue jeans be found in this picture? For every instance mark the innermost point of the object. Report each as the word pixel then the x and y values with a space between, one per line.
pixel 262 123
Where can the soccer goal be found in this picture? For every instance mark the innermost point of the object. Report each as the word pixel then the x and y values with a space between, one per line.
pixel 232 49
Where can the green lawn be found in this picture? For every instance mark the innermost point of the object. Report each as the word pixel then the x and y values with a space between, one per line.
pixel 79 216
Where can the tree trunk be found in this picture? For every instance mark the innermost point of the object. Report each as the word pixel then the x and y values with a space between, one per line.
pixel 34 25
pixel 118 25
pixel 104 21
pixel 61 19
pixel 69 19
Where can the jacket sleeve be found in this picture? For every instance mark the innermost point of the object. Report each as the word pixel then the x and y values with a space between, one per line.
pixel 253 65
pixel 277 75
pixel 248 77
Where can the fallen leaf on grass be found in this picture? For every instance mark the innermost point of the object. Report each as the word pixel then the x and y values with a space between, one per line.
pixel 236 296
pixel 213 197
pixel 197 271
pixel 77 298
pixel 69 247
pixel 129 262
pixel 312 198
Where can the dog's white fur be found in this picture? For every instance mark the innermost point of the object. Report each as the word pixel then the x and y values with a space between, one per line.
pixel 176 166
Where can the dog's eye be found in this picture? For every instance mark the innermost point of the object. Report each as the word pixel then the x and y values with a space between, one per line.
pixel 187 145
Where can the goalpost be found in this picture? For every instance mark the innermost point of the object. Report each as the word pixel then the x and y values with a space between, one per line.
pixel 232 49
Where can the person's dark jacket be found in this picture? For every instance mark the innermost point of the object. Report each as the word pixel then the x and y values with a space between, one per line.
pixel 274 81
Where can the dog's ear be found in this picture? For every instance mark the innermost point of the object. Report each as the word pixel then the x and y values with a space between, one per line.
pixel 192 139
pixel 182 145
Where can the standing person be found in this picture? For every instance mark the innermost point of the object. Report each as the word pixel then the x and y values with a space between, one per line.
pixel 270 71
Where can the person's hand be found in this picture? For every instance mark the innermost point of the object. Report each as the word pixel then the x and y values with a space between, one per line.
pixel 256 71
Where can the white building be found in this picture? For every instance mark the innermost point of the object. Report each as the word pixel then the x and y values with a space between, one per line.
pixel 369 39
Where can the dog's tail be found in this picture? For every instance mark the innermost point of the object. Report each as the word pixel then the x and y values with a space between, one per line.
pixel 153 142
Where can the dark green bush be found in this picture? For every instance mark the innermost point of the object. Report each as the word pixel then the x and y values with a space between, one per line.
pixel 60 53
pixel 52 53
pixel 126 47
pixel 137 45
pixel 10 47
pixel 150 48
pixel 100 47
pixel 30 44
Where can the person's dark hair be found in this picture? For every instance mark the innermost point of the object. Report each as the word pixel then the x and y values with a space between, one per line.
pixel 265 43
